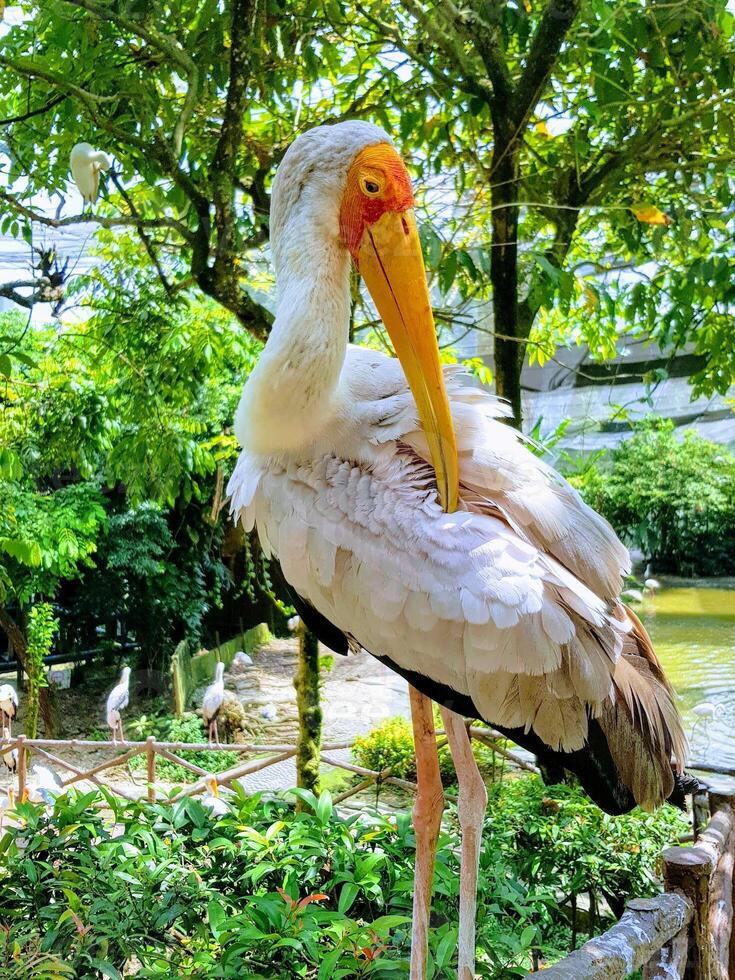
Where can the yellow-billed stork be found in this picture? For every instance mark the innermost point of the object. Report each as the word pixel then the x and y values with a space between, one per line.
pixel 410 521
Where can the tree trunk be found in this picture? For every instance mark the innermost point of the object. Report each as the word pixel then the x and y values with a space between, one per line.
pixel 504 272
pixel 308 742
pixel 46 703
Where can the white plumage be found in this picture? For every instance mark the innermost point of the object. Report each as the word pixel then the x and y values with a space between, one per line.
pixel 85 164
pixel 10 756
pixel 117 702
pixel 212 701
pixel 213 800
pixel 44 785
pixel 8 705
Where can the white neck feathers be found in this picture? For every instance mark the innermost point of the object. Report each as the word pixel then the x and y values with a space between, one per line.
pixel 292 396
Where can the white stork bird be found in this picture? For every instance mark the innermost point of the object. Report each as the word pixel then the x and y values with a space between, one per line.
pixel 10 756
pixel 213 800
pixel 117 702
pixel 410 521
pixel 212 702
pixel 85 164
pixel 8 705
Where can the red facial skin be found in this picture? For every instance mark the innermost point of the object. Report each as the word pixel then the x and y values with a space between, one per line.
pixel 378 165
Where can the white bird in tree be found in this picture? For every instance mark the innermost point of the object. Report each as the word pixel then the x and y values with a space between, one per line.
pixel 410 521
pixel 10 756
pixel 212 701
pixel 117 702
pixel 8 705
pixel 85 164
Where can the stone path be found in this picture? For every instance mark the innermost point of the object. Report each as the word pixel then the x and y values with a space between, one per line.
pixel 357 694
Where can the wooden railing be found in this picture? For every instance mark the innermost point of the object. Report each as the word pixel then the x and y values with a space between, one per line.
pixel 687 932
pixel 47 750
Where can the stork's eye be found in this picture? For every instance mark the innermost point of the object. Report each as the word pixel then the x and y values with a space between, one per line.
pixel 370 186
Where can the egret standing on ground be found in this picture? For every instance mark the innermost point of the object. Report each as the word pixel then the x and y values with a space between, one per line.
pixel 410 521
pixel 117 702
pixel 8 705
pixel 85 164
pixel 212 702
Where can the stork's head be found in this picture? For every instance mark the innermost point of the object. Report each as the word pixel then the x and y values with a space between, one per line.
pixel 125 676
pixel 348 185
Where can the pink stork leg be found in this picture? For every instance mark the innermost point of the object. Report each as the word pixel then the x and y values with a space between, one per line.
pixel 427 815
pixel 472 804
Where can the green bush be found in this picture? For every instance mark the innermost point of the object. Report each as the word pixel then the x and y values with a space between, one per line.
pixel 190 728
pixel 267 892
pixel 672 498
pixel 390 746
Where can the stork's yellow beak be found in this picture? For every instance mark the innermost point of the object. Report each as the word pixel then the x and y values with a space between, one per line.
pixel 392 266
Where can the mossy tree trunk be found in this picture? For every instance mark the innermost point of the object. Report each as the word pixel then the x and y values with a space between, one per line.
pixel 308 742
pixel 46 701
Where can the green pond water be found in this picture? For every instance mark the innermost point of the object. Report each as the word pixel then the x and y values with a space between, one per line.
pixel 693 631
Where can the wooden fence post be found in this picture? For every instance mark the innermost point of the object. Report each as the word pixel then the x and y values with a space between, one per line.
pixel 22 766
pixel 688 870
pixel 151 759
pixel 721 887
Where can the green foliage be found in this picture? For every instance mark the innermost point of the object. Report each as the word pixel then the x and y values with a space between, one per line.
pixel 41 629
pixel 674 498
pixel 269 892
pixel 159 584
pixel 390 746
pixel 167 728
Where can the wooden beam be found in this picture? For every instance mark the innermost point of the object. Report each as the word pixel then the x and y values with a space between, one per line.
pixel 646 925
pixel 671 960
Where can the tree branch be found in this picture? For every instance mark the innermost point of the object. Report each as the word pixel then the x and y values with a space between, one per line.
pixel 147 243
pixel 104 221
pixel 221 279
pixel 34 112
pixel 543 52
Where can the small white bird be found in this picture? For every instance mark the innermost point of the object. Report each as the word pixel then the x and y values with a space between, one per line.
pixel 213 800
pixel 10 756
pixel 242 659
pixel 651 586
pixel 7 806
pixel 293 623
pixel 117 702
pixel 8 705
pixel 44 786
pixel 632 595
pixel 85 164
pixel 269 712
pixel 212 703
pixel 704 713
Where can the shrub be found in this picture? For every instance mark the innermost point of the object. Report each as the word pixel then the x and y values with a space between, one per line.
pixel 674 499
pixel 267 892
pixel 390 746
pixel 190 728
